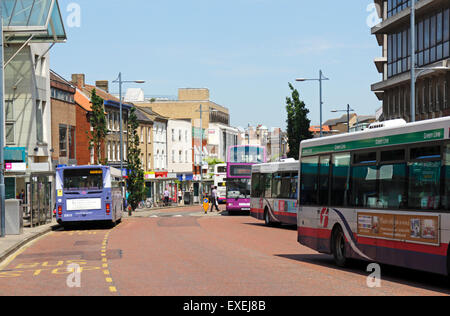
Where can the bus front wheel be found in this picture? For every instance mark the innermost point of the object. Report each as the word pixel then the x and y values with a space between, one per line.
pixel 338 246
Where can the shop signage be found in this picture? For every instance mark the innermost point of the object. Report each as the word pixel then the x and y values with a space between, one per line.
pixel 16 167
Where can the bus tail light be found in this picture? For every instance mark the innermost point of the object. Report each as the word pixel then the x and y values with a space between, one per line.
pixel 108 208
pixel 60 210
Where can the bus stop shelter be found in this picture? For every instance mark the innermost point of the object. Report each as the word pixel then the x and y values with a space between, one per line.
pixel 24 22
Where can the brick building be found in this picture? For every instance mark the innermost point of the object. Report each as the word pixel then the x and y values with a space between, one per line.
pixel 63 120
pixel 84 155
pixel 111 147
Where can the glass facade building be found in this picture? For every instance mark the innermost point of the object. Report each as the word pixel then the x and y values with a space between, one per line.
pixel 432 43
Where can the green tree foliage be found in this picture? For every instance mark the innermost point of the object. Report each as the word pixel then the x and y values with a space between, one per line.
pixel 99 128
pixel 298 123
pixel 135 182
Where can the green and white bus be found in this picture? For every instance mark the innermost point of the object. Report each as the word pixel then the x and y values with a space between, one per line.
pixel 382 195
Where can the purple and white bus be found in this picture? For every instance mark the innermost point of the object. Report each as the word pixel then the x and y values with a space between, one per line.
pixel 239 172
pixel 89 194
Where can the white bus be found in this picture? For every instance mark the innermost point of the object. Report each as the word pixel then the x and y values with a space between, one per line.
pixel 274 192
pixel 220 175
pixel 382 195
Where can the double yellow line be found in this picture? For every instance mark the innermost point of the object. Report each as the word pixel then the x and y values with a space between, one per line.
pixel 105 265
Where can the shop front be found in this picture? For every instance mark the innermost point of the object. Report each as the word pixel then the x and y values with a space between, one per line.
pixel 30 183
pixel 157 183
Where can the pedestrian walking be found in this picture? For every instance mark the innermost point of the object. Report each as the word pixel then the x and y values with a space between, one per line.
pixel 22 197
pixel 180 196
pixel 214 200
pixel 166 197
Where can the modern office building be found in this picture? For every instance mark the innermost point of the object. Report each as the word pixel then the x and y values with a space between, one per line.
pixel 393 34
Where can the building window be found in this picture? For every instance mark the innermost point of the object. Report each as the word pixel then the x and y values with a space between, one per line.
pixel 10 135
pixel 109 151
pixel 72 141
pixel 396 6
pixel 40 106
pixel 63 141
pixel 433 43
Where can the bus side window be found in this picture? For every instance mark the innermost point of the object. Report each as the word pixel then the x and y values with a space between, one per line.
pixel 267 186
pixel 340 181
pixel 309 181
pixel 446 201
pixel 364 180
pixel 256 185
pixel 424 178
pixel 324 180
pixel 276 186
pixel 286 185
pixel 294 186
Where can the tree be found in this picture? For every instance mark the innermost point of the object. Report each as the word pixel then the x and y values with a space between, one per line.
pixel 99 129
pixel 298 123
pixel 135 181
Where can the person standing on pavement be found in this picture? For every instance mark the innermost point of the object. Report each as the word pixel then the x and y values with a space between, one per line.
pixel 180 196
pixel 166 197
pixel 214 201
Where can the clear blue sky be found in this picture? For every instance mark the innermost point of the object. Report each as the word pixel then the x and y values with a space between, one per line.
pixel 244 51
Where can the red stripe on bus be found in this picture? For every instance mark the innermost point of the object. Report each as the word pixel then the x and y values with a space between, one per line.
pixel 286 214
pixel 314 232
pixel 440 250
pixel 257 210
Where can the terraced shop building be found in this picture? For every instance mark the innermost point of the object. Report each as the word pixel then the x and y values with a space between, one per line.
pixel 432 51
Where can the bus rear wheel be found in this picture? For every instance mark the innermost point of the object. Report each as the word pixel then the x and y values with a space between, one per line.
pixel 267 220
pixel 338 246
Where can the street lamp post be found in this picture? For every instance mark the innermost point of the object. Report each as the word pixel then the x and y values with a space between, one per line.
pixel 120 82
pixel 321 78
pixel 348 110
pixel 201 145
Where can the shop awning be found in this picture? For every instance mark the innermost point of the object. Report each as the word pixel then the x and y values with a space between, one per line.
pixel 37 21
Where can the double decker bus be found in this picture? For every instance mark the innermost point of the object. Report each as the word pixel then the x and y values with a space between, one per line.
pixel 89 194
pixel 274 192
pixel 239 172
pixel 220 175
pixel 381 195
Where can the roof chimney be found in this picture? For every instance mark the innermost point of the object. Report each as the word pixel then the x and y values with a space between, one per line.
pixel 102 84
pixel 78 80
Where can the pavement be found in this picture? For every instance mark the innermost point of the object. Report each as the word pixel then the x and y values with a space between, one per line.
pixel 12 243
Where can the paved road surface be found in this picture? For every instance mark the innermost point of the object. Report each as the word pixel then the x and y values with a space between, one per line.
pixel 181 252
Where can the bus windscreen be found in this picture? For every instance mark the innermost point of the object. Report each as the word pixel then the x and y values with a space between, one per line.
pixel 83 179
